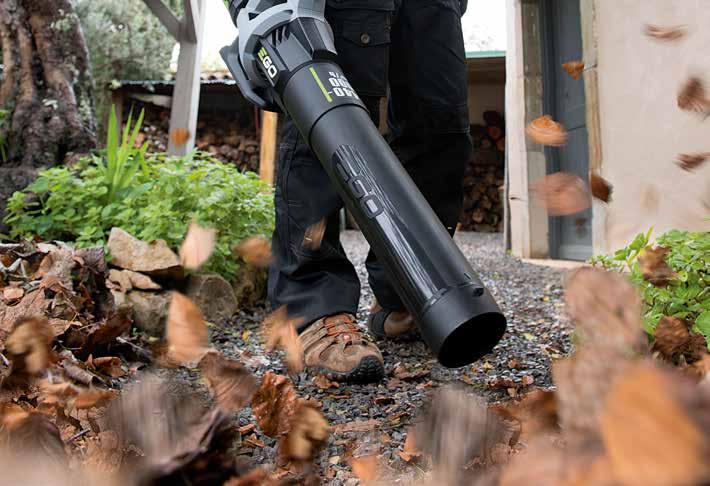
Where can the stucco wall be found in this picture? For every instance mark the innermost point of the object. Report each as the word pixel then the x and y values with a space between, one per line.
pixel 642 129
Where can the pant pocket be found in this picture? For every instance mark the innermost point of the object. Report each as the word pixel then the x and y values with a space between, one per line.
pixel 362 39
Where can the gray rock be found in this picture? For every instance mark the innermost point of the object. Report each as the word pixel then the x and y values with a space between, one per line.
pixel 130 253
pixel 250 285
pixel 213 295
pixel 150 310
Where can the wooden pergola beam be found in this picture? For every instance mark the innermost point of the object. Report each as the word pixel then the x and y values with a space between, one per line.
pixel 166 17
pixel 192 20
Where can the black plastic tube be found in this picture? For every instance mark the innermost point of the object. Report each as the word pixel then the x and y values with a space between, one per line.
pixel 458 317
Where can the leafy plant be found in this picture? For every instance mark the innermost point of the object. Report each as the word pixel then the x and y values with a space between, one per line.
pixel 159 203
pixel 3 143
pixel 122 161
pixel 687 295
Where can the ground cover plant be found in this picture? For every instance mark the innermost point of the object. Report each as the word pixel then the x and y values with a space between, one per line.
pixel 152 196
pixel 673 277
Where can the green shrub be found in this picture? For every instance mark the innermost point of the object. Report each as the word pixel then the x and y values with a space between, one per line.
pixel 687 296
pixel 160 201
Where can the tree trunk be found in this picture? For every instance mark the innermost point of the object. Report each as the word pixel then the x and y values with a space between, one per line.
pixel 47 88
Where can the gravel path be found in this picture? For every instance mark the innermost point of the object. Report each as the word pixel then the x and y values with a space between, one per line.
pixel 531 298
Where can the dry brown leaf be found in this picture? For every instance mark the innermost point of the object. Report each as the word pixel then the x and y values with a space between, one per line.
pixel 401 372
pixel 274 404
pixel 673 339
pixel 57 394
pixel 690 162
pixel 36 434
pixel 12 294
pixel 652 262
pixel 308 432
pixel 537 412
pixel 231 383
pixel 601 189
pixel 255 250
pixel 666 33
pixel 527 380
pixel 700 370
pixel 197 247
pixel 279 332
pixel 366 468
pixel 546 131
pixel 574 69
pixel 180 136
pixel 186 331
pixel 606 307
pixel 93 398
pixel 410 452
pixel 313 236
pixel 649 434
pixel 323 383
pixel 562 193
pixel 107 365
pixel 29 346
pixel 255 477
pixel 692 97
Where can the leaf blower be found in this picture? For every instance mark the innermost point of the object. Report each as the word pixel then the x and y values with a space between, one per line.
pixel 284 60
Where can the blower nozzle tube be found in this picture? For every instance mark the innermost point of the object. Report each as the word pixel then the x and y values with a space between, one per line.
pixel 457 316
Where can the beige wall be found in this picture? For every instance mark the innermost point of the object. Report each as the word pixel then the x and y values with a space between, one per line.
pixel 483 97
pixel 642 129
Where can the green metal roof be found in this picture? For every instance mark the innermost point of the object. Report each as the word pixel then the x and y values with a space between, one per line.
pixel 484 54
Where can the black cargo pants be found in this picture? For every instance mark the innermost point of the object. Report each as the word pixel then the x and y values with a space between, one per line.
pixel 416 48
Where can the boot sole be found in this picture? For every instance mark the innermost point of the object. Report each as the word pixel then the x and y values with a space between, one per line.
pixel 369 370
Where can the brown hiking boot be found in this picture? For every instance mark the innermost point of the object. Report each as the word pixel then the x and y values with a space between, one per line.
pixel 335 347
pixel 384 324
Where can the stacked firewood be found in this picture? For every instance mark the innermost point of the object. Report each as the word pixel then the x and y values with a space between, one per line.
pixel 218 135
pixel 484 177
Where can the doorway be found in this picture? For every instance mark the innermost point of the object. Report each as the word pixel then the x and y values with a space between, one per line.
pixel 564 99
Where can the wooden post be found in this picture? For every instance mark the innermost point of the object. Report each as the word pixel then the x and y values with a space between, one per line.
pixel 186 94
pixel 267 156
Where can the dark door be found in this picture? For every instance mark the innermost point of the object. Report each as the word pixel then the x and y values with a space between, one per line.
pixel 570 236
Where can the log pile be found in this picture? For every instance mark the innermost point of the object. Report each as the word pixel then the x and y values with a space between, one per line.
pixel 484 177
pixel 218 135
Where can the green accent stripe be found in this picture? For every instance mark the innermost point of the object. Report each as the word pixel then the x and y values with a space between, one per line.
pixel 484 54
pixel 320 83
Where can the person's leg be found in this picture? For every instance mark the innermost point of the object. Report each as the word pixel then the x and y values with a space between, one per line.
pixel 320 285
pixel 311 281
pixel 427 114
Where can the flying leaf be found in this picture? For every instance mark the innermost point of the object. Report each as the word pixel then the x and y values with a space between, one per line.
pixel 546 131
pixel 308 432
pixel 600 188
pixel 666 33
pixel 691 162
pixel 255 250
pixel 279 332
pixel 180 136
pixel 198 246
pixel 273 404
pixel 313 236
pixel 93 398
pixel 692 97
pixel 29 346
pixel 574 69
pixel 652 262
pixel 649 432
pixel 186 331
pixel 562 193
pixel 232 385
pixel 366 468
